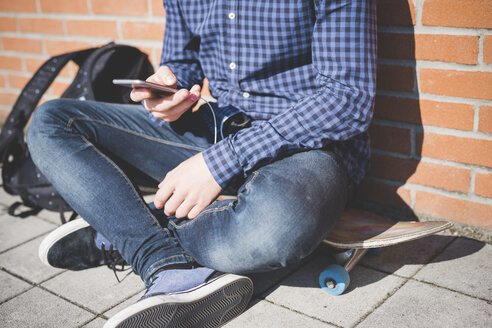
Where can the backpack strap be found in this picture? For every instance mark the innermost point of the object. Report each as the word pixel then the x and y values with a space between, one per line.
pixel 33 210
pixel 32 93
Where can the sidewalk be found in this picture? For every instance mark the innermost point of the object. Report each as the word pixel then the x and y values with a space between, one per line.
pixel 438 281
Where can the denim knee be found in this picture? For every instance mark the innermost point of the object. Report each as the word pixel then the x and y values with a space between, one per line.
pixel 270 226
pixel 47 118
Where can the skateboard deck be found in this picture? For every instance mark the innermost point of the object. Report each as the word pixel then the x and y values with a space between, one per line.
pixel 358 229
pixel 357 232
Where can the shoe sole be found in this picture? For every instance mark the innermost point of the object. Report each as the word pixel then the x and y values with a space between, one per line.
pixel 56 235
pixel 210 305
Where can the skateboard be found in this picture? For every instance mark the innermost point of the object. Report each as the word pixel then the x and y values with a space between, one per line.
pixel 358 232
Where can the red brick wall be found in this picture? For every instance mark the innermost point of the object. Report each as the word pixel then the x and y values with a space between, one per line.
pixel 432 131
pixel 33 30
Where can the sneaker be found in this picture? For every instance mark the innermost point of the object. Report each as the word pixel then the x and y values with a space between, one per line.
pixel 77 246
pixel 221 298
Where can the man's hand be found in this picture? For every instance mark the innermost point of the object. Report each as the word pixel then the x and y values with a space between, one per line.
pixel 188 189
pixel 167 108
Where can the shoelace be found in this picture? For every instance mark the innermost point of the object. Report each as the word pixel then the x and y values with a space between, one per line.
pixel 113 260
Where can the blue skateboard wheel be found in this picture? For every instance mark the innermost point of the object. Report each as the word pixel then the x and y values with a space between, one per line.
pixel 334 279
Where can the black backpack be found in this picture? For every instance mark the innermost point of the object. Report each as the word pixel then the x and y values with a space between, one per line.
pixel 97 68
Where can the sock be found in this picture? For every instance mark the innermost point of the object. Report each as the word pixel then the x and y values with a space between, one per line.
pixel 100 240
pixel 178 280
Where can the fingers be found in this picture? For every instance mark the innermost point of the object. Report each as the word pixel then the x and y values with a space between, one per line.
pixel 171 108
pixel 183 209
pixel 163 76
pixel 195 211
pixel 173 203
pixel 163 194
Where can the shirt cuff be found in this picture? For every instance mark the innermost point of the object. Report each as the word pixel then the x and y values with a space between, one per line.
pixel 222 162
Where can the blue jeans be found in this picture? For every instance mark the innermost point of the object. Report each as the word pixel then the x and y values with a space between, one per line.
pixel 94 152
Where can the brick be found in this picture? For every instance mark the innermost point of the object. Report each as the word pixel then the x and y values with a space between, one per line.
pixel 464 13
pixel 62 6
pixel 22 44
pixel 17 81
pixel 2 81
pixel 455 209
pixel 32 64
pixel 69 70
pixel 396 12
pixel 96 28
pixel 398 78
pixel 115 7
pixel 8 98
pixel 41 25
pixel 483 184
pixel 55 47
pixel 456 149
pixel 447 48
pixel 156 56
pixel 390 138
pixel 8 24
pixel 485 119
pixel 57 88
pixel 425 112
pixel 143 30
pixel 10 63
pixel 420 172
pixel 4 114
pixel 456 83
pixel 28 6
pixel 385 194
pixel 487 49
pixel 157 8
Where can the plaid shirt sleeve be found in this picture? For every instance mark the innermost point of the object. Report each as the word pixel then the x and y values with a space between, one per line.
pixel 180 48
pixel 344 55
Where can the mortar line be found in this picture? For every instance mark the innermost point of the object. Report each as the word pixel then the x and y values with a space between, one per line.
pixel 407 279
pixel 18 277
pixel 34 284
pixel 26 241
pixel 89 321
pixel 298 312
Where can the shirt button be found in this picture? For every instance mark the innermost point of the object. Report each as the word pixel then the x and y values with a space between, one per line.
pixel 232 65
pixel 246 94
pixel 232 16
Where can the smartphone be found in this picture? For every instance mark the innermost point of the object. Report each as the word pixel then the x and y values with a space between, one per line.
pixel 155 88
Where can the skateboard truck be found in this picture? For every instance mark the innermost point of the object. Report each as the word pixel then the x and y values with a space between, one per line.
pixel 335 279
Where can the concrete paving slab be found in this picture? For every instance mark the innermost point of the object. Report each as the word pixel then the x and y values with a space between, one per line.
pixel 7 199
pixel 132 300
pixel 262 314
pixel 421 305
pixel 24 261
pixel 39 308
pixel 97 289
pixel 465 266
pixel 266 280
pixel 96 323
pixel 14 231
pixel 53 217
pixel 407 258
pixel 301 292
pixel 11 286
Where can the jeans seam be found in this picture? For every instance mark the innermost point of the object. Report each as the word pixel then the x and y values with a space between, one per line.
pixel 124 177
pixel 170 143
pixel 218 209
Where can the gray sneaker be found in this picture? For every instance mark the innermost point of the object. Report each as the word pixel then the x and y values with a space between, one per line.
pixel 77 246
pixel 221 298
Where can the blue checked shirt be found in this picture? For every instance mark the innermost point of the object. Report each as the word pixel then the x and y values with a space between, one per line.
pixel 304 71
